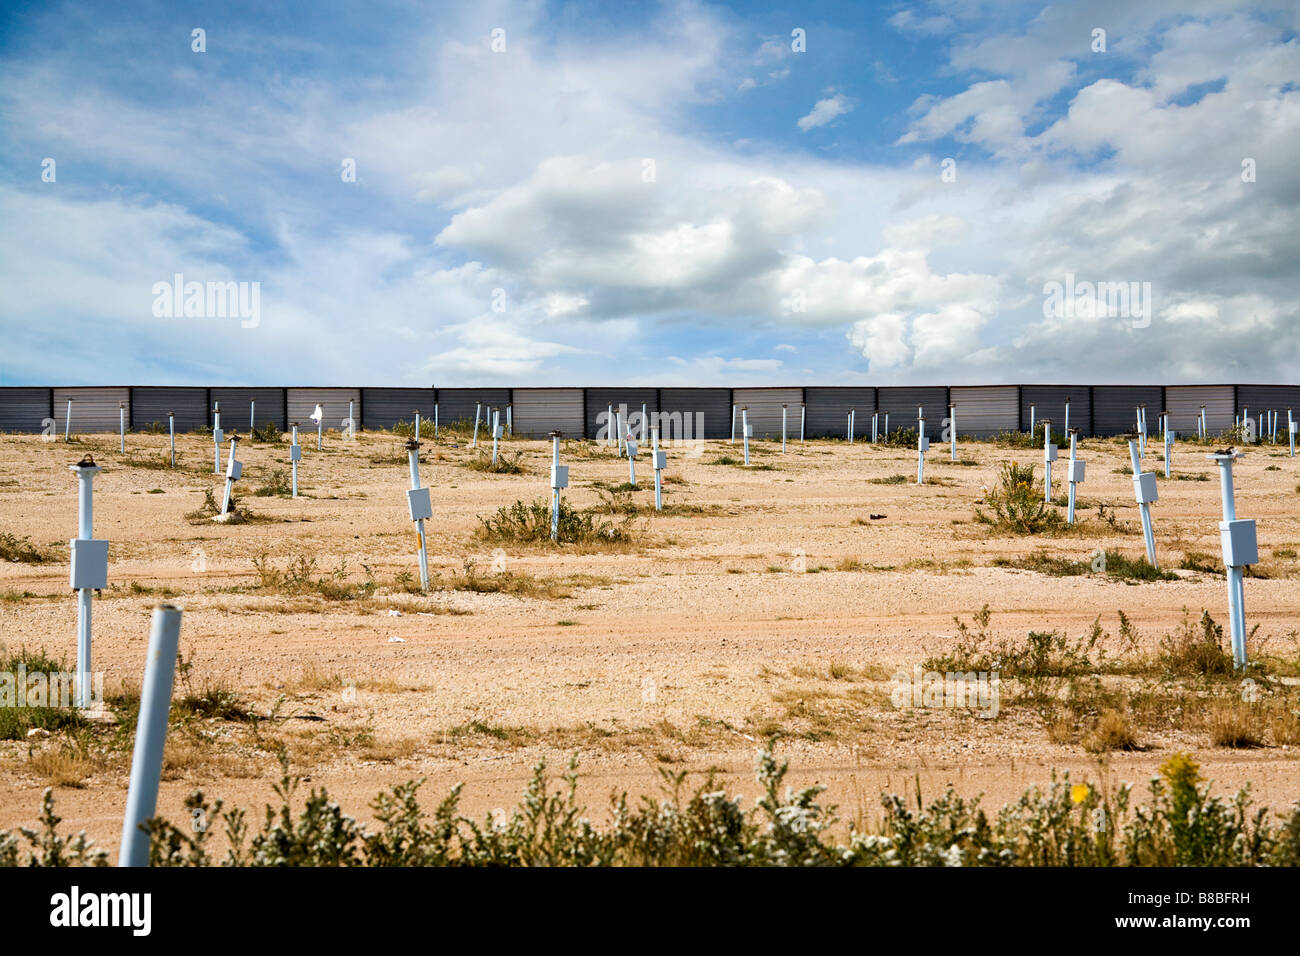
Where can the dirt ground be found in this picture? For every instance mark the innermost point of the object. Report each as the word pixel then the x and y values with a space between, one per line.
pixel 768 600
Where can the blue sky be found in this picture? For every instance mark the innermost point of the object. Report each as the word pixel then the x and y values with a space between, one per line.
pixel 658 194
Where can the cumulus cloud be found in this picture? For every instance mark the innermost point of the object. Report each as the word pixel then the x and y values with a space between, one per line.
pixel 577 178
pixel 825 110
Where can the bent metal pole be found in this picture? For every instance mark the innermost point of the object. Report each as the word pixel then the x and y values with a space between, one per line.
pixel 1144 490
pixel 150 734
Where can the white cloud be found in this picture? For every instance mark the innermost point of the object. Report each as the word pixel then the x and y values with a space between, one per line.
pixel 824 111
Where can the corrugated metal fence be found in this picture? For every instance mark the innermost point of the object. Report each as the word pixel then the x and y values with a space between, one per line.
pixel 982 410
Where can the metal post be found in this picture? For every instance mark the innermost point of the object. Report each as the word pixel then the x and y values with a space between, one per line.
pixel 783 416
pixel 659 488
pixel 1031 419
pixel 252 414
pixel 555 489
pixel 848 427
pixel 121 425
pixel 803 420
pixel 413 458
pixel 920 451
pixel 1148 535
pixel 733 423
pixel 478 408
pixel 85 470
pixel 1169 450
pixel 875 427
pixel 744 424
pixel 1047 460
pixel 417 424
pixel 295 452
pixel 150 734
pixel 1291 430
pixel 231 475
pixel 171 428
pixel 67 422
pixel 435 420
pixel 1205 428
pixel 352 422
pixel 1235 572
pixel 630 444
pixel 510 419
pixel 611 426
pixel 1067 420
pixel 216 438
pixel 496 431
pixel 644 421
pixel 1074 454
pixel 952 425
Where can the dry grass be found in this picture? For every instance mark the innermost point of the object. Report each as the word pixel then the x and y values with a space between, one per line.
pixel 1284 726
pixel 1113 731
pixel 68 763
pixel 1235 724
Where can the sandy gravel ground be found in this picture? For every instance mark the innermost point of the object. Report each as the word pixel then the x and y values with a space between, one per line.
pixel 760 606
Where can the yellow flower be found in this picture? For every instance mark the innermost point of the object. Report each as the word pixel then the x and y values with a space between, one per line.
pixel 1079 792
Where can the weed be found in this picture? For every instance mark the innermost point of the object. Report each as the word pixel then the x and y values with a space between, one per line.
pixel 276 483
pixel 530 522
pixel 1017 504
pixel 1195 650
pixel 1182 825
pixel 1235 724
pixel 13 548
pixel 41 710
pixel 506 464
pixel 1112 731
pixel 267 432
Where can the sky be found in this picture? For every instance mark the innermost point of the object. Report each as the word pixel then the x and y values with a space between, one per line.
pixel 685 193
